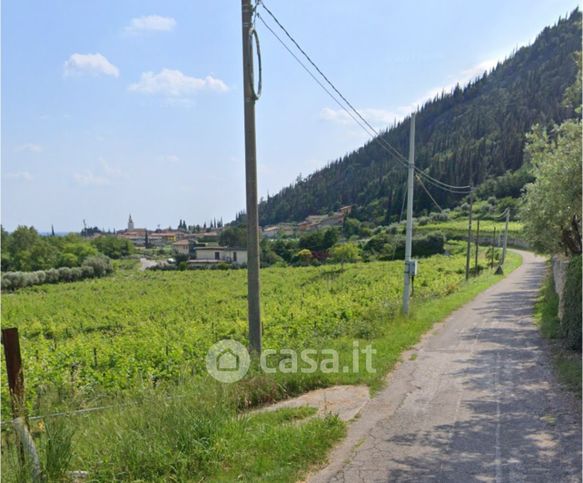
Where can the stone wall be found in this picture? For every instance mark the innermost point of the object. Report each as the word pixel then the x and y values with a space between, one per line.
pixel 559 265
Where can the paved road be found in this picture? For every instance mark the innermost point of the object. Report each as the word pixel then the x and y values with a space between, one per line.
pixel 479 403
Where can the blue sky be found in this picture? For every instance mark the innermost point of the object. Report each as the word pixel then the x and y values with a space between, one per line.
pixel 135 106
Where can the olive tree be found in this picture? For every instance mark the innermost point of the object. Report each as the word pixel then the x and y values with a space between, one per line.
pixel 551 206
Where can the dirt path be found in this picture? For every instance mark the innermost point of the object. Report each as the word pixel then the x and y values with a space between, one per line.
pixel 479 403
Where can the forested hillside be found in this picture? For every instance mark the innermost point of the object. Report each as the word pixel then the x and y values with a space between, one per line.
pixel 470 135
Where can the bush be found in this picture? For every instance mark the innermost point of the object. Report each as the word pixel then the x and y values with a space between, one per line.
pixel 88 271
pixel 101 265
pixel 52 275
pixel 571 323
pixel 439 216
pixel 6 284
pixel 65 274
pixel 93 267
pixel 76 273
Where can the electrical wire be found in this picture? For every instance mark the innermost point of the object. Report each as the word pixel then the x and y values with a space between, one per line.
pixel 428 193
pixel 311 74
pixel 369 128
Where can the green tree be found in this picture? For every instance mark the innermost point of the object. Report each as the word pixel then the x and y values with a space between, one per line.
pixel 305 256
pixel 234 236
pixel 551 209
pixel 345 253
pixel 113 246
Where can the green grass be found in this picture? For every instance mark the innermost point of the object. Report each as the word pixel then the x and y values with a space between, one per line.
pixel 567 363
pixel 195 429
pixel 460 227
pixel 199 436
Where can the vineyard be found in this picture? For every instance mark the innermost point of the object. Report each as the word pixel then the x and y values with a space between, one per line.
pixel 139 328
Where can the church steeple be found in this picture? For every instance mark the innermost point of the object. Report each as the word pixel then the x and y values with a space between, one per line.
pixel 130 223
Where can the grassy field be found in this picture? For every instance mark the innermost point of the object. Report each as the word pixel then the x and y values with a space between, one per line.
pixel 460 227
pixel 170 422
pixel 138 329
pixel 567 362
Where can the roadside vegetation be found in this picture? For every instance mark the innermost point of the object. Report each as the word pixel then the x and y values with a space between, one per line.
pixel 552 216
pixel 567 360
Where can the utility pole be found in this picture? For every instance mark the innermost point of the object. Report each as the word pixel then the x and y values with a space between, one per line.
pixel 492 249
pixel 469 246
pixel 477 246
pixel 409 239
pixel 505 237
pixel 253 306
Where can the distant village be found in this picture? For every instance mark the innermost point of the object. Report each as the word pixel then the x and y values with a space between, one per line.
pixel 200 244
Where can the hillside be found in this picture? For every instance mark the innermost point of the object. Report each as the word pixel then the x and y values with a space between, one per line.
pixel 472 134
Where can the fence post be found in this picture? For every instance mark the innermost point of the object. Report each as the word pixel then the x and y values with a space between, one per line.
pixel 14 370
pixel 15 376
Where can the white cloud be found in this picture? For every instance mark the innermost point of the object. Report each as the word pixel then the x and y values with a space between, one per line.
pixel 88 178
pixel 375 116
pixel 380 118
pixel 173 83
pixel 19 175
pixel 92 64
pixel 109 170
pixel 28 147
pixel 151 23
pixel 462 79
pixel 105 177
pixel 171 158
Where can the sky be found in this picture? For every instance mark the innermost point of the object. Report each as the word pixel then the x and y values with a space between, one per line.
pixel 136 106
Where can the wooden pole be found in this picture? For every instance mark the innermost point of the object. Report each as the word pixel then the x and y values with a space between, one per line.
pixel 14 372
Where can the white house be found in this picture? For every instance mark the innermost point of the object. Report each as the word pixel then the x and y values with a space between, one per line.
pixel 220 254
pixel 183 247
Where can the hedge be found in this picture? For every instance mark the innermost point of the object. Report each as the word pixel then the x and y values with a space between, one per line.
pixel 571 323
pixel 96 266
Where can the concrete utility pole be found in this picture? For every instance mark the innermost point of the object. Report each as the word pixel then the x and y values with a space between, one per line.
pixel 492 249
pixel 254 309
pixel 469 246
pixel 505 237
pixel 477 247
pixel 409 239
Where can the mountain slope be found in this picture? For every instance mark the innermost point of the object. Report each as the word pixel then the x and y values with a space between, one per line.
pixel 469 135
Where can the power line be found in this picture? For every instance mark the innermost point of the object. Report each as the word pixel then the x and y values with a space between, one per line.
pixel 369 128
pixel 330 83
pixel 311 74
pixel 428 193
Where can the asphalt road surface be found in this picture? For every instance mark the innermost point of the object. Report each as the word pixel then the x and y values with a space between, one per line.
pixel 479 403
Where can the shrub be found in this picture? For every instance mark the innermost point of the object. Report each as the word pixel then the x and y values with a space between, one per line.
pixel 76 273
pixel 41 276
pixel 52 275
pixel 6 283
pixel 571 323
pixel 65 274
pixel 439 216
pixel 101 265
pixel 16 280
pixel 88 271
